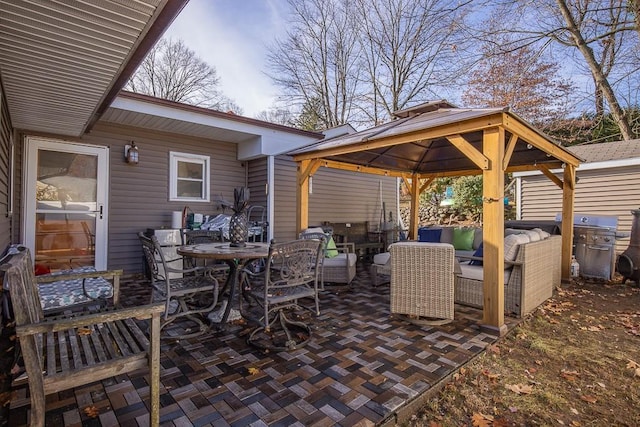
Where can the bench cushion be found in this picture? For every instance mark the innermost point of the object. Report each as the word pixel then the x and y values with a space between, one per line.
pixel 70 292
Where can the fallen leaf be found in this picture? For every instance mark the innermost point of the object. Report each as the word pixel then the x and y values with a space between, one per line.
pixel 575 423
pixel 513 409
pixel 569 375
pixel 601 385
pixel 574 411
pixel 501 422
pixel 519 388
pixel 481 420
pixel 589 398
pixel 91 411
pixel 491 377
pixel 632 365
pixel 493 349
pixel 253 371
pixel 84 331
pixel 434 424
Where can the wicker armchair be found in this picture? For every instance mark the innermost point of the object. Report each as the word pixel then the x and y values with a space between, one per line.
pixel 340 269
pixel 422 279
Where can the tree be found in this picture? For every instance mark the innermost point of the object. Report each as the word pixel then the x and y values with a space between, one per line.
pixel 595 37
pixel 315 64
pixel 521 79
pixel 409 49
pixel 173 71
pixel 358 61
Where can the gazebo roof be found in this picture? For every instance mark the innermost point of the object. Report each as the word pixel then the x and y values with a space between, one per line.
pixel 424 140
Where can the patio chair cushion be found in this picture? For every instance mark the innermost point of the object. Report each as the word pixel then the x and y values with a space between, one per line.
pixel 463 238
pixel 339 260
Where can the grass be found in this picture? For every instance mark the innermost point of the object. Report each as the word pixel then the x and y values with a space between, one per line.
pixel 574 362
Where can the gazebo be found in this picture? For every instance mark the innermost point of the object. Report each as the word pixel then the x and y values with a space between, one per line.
pixel 437 139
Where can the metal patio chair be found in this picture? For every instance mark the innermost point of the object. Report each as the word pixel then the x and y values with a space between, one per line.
pixel 188 292
pixel 290 275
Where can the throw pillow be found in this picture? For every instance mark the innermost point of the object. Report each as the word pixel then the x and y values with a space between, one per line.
pixel 463 239
pixel 477 253
pixel 332 250
pixel 429 235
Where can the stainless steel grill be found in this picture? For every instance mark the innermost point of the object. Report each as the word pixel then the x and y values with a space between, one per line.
pixel 594 238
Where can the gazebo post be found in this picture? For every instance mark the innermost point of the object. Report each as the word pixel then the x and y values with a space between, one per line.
pixel 568 187
pixel 493 148
pixel 302 190
pixel 415 207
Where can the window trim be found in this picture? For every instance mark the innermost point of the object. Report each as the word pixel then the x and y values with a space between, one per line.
pixel 205 161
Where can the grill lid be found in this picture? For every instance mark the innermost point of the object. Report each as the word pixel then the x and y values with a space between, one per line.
pixel 592 221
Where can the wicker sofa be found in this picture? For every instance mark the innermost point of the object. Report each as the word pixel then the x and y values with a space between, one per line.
pixel 529 279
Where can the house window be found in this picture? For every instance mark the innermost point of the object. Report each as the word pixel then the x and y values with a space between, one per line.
pixel 189 177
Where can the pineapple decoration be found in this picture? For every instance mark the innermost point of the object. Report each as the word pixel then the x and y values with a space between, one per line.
pixel 238 224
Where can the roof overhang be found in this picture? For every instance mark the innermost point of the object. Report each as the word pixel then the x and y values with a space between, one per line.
pixel 255 138
pixel 62 63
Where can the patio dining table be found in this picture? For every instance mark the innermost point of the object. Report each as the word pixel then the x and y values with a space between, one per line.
pixel 236 257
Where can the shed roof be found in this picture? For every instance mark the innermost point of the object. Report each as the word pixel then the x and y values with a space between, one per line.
pixel 607 151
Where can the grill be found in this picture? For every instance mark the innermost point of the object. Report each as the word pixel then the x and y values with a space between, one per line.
pixel 594 238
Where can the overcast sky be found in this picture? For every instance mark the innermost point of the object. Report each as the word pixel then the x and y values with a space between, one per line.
pixel 232 36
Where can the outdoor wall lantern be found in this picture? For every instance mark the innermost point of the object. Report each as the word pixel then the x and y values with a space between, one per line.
pixel 131 153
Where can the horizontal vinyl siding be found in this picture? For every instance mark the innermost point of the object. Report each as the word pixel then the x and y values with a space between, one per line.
pixel 614 192
pixel 139 194
pixel 338 196
pixel 284 227
pixel 5 171
pixel 256 182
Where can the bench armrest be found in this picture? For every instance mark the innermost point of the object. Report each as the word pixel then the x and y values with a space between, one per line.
pixel 477 258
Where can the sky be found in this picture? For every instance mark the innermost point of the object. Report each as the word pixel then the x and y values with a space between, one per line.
pixel 233 36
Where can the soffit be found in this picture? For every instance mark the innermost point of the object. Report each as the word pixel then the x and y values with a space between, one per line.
pixel 60 60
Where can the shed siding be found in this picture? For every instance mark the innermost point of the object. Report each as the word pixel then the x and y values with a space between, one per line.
pixel 139 194
pixel 338 196
pixel 5 170
pixel 614 191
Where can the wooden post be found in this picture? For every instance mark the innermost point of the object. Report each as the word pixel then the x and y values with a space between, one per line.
pixel 568 189
pixel 302 196
pixel 493 144
pixel 415 207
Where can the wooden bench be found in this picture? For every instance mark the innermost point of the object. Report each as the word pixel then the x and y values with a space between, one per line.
pixel 62 352
pixel 359 234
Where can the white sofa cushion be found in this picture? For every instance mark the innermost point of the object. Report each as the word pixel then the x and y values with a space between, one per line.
pixel 340 260
pixel 381 258
pixel 474 272
pixel 511 243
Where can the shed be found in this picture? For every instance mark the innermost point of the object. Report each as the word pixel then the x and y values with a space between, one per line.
pixel 607 183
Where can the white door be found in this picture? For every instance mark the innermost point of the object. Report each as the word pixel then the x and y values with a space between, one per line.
pixel 65 216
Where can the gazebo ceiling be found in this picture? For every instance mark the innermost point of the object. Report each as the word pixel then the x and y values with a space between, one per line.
pixel 420 142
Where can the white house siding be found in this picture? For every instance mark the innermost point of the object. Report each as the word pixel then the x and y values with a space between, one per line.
pixel 338 196
pixel 139 194
pixel 611 191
